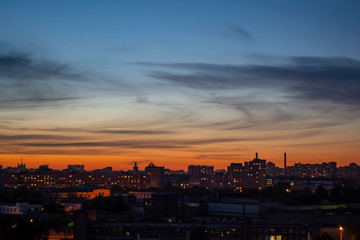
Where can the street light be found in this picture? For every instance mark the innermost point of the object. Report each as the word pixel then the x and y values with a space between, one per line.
pixel 341 231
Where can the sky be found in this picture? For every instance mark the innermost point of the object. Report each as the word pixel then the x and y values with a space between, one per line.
pixel 110 83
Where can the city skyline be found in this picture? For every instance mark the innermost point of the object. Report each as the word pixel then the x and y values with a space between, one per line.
pixel 178 83
pixel 254 174
pixel 285 164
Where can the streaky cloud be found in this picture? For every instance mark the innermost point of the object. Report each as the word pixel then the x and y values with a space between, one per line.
pixel 23 67
pixel 287 115
pixel 321 61
pixel 27 82
pixel 240 32
pixel 91 144
pixel 32 137
pixel 142 99
pixel 323 143
pixel 332 79
pixel 219 156
pixel 134 132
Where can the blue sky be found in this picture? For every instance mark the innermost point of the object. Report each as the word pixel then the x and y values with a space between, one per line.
pixel 210 31
pixel 217 79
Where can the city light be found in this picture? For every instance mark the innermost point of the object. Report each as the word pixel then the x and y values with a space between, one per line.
pixel 341 232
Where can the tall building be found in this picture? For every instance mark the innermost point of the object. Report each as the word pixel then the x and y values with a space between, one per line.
pixel 236 174
pixel 197 170
pixel 250 175
pixel 255 174
pixel 154 176
pixel 201 175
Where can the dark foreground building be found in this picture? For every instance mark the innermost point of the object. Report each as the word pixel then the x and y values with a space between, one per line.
pixel 97 230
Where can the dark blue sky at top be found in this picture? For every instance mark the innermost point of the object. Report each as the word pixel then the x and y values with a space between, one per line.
pixel 221 65
pixel 173 31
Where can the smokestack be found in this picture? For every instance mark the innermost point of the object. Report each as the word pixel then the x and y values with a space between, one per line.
pixel 256 156
pixel 284 173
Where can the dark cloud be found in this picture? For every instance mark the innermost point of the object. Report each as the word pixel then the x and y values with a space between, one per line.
pixel 32 137
pixel 200 80
pixel 304 78
pixel 156 144
pixel 58 129
pixel 23 67
pixel 83 130
pixel 134 132
pixel 142 99
pixel 48 141
pixel 53 143
pixel 215 140
pixel 127 144
pixel 283 115
pixel 219 156
pixel 324 143
pixel 58 144
pixel 239 32
pixel 25 81
pixel 329 61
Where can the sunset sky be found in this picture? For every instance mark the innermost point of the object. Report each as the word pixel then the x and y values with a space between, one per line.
pixel 108 83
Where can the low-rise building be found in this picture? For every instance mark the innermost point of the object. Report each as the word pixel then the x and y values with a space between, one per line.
pixel 20 208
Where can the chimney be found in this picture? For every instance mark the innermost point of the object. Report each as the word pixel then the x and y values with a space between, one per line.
pixel 256 156
pixel 284 173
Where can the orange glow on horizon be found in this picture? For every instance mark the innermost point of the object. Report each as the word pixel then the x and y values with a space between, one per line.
pixel 177 162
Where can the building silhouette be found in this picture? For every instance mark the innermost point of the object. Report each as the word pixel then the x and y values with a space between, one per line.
pixel 154 176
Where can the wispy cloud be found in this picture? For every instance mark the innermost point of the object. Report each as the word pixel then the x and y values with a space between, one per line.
pixel 25 80
pixel 293 93
pixel 23 67
pixel 134 132
pixel 283 115
pixel 219 156
pixel 142 99
pixel 32 137
pixel 240 32
pixel 335 80
pixel 91 144
pixel 42 142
